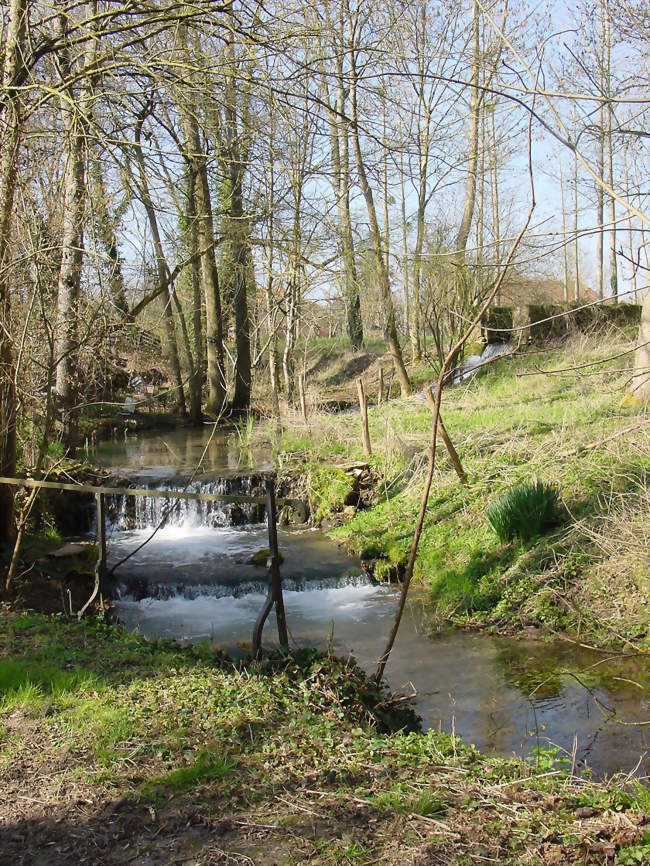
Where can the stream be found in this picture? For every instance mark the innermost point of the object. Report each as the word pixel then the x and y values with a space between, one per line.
pixel 194 580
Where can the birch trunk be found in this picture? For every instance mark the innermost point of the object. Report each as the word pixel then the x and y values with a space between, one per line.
pixel 69 282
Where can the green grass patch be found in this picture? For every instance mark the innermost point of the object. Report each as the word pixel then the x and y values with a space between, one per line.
pixel 179 746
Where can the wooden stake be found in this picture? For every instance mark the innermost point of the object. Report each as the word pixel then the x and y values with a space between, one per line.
pixel 303 401
pixel 274 595
pixel 363 406
pixel 380 396
pixel 100 569
pixel 101 540
pixel 274 570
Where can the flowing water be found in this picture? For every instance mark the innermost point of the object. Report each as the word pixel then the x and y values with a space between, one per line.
pixel 195 580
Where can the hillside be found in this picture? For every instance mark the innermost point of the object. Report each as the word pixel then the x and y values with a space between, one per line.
pixel 556 414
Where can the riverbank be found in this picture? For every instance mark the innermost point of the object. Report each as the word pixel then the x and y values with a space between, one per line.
pixel 554 414
pixel 115 750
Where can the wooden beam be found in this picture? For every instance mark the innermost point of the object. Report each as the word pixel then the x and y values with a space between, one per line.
pixel 142 491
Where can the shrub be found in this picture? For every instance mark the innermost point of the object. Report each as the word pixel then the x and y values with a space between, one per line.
pixel 525 511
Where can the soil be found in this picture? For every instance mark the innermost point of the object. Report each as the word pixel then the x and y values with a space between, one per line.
pixel 56 827
pixel 51 588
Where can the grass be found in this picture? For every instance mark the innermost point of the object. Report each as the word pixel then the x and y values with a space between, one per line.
pixel 117 750
pixel 530 417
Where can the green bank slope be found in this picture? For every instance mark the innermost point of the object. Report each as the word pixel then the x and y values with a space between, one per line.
pixel 557 415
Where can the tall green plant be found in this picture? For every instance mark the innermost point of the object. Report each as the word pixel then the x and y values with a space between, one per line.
pixel 524 511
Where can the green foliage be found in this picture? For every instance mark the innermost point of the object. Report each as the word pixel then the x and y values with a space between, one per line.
pixel 635 855
pixel 525 511
pixel 154 725
pixel 206 766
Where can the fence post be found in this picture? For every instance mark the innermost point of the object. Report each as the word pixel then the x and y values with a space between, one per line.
pixel 363 406
pixel 101 542
pixel 274 570
pixel 303 401
pixel 100 568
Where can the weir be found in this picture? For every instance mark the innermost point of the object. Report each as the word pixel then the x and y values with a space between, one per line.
pixel 207 505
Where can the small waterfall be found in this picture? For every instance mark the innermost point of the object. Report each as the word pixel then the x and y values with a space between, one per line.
pixel 196 550
pixel 148 512
pixel 473 363
pixel 137 590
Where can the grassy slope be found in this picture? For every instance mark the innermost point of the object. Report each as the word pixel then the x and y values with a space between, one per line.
pixel 113 750
pixel 510 423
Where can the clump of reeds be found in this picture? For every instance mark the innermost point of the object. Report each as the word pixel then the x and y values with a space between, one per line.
pixel 525 511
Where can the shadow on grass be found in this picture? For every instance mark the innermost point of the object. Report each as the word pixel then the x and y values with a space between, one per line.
pixel 467 590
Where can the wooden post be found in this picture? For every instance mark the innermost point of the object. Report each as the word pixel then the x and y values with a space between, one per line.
pixel 256 642
pixel 380 396
pixel 274 569
pixel 363 406
pixel 101 542
pixel 303 401
pixel 274 596
pixel 100 568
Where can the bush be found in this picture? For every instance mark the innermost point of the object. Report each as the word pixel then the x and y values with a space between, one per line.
pixel 525 511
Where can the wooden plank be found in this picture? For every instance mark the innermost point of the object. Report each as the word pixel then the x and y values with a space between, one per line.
pixel 138 491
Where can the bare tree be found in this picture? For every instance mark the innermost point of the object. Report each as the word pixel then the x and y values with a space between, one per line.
pixel 11 120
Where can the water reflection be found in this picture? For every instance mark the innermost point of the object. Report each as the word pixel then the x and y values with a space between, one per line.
pixel 180 452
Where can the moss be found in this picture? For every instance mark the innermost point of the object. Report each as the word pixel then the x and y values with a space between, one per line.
pixel 330 490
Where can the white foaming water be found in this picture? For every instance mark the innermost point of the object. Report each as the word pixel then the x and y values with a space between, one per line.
pixel 352 614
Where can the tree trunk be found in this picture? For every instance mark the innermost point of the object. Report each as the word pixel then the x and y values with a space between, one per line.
pixel 271 306
pixel 162 272
pixel 405 265
pixel 238 229
pixel 609 146
pixel 565 242
pixel 105 227
pixel 11 123
pixel 375 234
pixel 472 161
pixel 242 395
pixel 74 192
pixel 600 196
pixel 641 373
pixel 290 338
pixel 196 157
pixel 340 156
pixel 576 239
pixel 196 378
